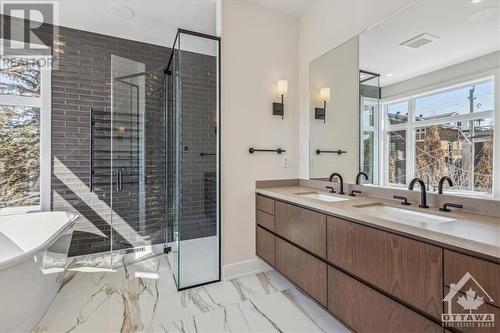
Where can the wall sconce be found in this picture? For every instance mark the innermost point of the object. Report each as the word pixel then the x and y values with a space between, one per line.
pixel 320 113
pixel 279 108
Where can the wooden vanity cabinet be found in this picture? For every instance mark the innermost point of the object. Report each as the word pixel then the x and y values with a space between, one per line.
pixel 265 204
pixel 303 269
pixel 486 273
pixel 405 268
pixel 371 279
pixel 265 245
pixel 301 226
pixel 484 308
pixel 366 310
pixel 265 220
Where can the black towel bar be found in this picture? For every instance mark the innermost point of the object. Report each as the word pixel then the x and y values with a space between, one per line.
pixel 252 150
pixel 338 151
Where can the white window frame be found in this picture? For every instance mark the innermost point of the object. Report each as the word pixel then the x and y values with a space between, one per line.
pixel 412 124
pixel 44 102
pixel 373 129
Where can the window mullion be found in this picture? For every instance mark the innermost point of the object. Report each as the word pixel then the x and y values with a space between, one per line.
pixel 410 137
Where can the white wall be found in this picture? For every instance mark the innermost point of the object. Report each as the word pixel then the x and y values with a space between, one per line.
pixel 259 47
pixel 326 25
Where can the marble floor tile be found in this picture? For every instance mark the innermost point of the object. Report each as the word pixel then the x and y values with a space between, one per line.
pixel 142 297
pixel 283 311
pixel 219 295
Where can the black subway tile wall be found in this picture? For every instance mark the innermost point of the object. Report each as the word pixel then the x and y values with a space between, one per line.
pixel 82 82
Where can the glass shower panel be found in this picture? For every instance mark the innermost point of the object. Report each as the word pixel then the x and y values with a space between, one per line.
pixel 174 131
pixel 138 218
pixel 197 103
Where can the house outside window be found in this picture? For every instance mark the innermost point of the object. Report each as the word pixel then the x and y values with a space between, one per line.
pixel 444 133
pixel 24 135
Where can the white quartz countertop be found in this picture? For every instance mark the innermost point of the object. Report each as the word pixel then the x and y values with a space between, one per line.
pixel 472 232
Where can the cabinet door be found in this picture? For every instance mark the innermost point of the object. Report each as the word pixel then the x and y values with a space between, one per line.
pixel 264 204
pixel 265 220
pixel 405 268
pixel 366 310
pixel 306 271
pixel 265 245
pixel 302 227
pixel 486 273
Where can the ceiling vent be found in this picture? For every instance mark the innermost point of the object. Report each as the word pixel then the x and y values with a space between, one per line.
pixel 419 41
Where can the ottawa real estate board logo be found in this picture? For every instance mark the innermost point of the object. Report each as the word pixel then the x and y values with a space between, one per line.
pixel 465 305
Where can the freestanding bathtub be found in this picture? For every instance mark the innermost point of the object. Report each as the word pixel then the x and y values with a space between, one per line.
pixel 33 252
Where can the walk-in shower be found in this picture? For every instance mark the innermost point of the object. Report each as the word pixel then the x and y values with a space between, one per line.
pixel 163 164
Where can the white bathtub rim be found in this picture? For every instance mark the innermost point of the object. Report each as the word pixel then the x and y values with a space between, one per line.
pixel 29 254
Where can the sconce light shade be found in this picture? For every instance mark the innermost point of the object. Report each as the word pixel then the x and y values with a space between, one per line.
pixel 320 113
pixel 325 94
pixel 279 108
pixel 282 87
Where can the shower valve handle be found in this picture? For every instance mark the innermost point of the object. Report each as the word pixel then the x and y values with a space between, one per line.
pixel 119 180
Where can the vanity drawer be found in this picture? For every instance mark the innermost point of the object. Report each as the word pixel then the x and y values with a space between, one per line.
pixel 306 271
pixel 264 204
pixel 265 220
pixel 367 310
pixel 486 273
pixel 407 269
pixel 265 242
pixel 301 226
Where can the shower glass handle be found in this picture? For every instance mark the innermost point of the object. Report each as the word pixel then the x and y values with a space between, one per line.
pixel 119 180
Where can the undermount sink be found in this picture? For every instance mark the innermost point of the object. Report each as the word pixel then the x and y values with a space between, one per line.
pixel 401 215
pixel 321 196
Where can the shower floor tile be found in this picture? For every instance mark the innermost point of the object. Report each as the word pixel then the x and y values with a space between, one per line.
pixel 142 297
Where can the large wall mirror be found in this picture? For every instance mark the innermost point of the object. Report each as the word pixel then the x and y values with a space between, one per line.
pixel 428 92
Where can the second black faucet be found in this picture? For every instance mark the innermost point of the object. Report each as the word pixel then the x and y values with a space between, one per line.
pixel 341 181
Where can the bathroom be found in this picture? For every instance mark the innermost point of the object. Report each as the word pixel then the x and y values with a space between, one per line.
pixel 179 165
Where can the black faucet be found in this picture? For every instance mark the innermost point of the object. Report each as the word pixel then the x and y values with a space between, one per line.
pixel 441 183
pixel 446 206
pixel 404 200
pixel 359 176
pixel 341 181
pixel 423 192
pixel 332 190
pixel 352 194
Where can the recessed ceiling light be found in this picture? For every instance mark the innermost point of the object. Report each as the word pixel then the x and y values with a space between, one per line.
pixel 388 74
pixel 476 1
pixel 122 11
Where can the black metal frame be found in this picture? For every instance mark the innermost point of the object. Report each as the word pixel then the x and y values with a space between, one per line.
pixel 219 130
pixel 91 173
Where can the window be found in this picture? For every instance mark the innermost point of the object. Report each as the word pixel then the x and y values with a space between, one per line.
pixel 449 132
pixel 22 111
pixel 420 134
pixel 369 123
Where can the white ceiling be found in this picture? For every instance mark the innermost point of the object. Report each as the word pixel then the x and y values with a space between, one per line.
pixel 154 21
pixel 290 7
pixel 465 29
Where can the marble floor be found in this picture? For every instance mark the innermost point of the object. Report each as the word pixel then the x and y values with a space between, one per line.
pixel 142 297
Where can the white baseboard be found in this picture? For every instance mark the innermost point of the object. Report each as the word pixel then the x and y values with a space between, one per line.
pixel 242 268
